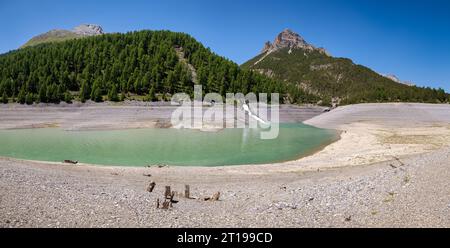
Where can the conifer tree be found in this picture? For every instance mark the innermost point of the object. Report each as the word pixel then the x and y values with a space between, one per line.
pixel 84 92
pixel 29 98
pixel 112 94
pixel 151 95
pixel 4 98
pixel 68 97
pixel 42 97
pixel 21 97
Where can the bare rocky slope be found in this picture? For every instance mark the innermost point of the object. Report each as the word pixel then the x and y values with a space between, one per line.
pixel 57 35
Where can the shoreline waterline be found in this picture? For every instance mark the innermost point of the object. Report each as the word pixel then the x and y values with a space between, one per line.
pixel 306 140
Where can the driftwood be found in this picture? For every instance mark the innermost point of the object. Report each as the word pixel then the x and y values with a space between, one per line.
pixel 166 205
pixel 151 186
pixel 172 195
pixel 398 160
pixel 214 197
pixel 70 162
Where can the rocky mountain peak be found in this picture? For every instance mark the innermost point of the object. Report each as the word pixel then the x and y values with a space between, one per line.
pixel 289 39
pixel 88 29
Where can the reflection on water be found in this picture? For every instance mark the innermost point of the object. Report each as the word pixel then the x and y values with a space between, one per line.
pixel 141 147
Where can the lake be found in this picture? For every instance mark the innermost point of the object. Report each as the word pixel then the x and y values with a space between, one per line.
pixel 180 147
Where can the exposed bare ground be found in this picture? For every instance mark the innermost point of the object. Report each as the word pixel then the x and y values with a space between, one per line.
pixel 390 168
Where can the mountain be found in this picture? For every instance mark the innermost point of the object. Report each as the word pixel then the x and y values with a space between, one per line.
pixel 58 35
pixel 308 69
pixel 144 65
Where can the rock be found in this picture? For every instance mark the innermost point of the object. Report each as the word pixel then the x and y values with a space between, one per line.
pixel 267 47
pixel 283 205
pixel 88 30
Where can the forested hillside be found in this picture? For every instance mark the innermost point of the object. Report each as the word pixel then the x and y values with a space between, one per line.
pixel 153 65
pixel 302 66
pixel 147 65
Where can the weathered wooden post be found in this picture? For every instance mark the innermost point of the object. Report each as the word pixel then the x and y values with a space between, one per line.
pixel 187 192
pixel 168 192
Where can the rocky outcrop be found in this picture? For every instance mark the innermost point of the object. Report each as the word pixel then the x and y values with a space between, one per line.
pixel 88 30
pixel 291 40
pixel 267 47
pixel 397 80
pixel 58 35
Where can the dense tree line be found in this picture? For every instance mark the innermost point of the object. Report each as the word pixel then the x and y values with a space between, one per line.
pixel 152 64
pixel 327 77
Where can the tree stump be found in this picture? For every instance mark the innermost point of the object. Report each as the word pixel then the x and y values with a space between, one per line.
pixel 187 192
pixel 168 193
pixel 151 186
pixel 166 205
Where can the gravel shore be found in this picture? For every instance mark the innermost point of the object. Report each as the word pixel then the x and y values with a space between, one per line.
pixel 108 116
pixel 389 169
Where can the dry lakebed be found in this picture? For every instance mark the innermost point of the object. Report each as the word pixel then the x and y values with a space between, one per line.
pixel 390 168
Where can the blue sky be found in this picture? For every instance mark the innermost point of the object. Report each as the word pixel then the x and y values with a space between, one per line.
pixel 408 38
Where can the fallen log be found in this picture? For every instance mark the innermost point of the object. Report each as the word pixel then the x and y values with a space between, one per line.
pixel 70 162
pixel 215 197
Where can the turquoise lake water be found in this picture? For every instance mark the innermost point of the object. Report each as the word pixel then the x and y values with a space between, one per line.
pixel 142 147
